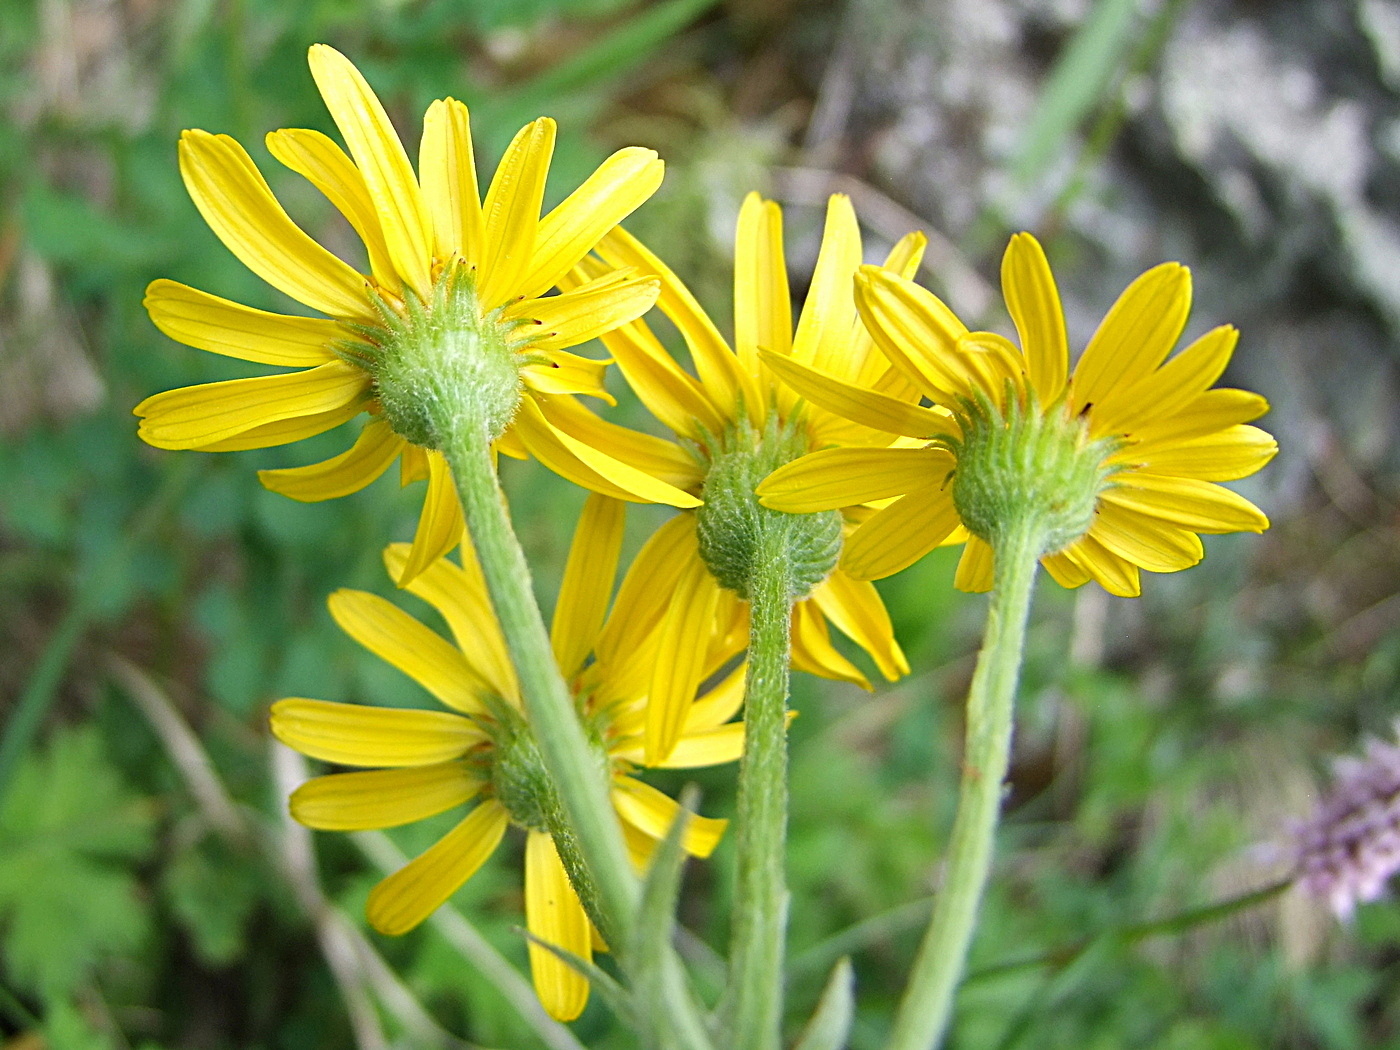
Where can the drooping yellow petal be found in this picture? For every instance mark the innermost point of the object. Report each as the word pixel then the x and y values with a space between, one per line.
pixel 855 607
pixel 867 407
pixel 812 650
pixel 1196 505
pixel 225 186
pixel 915 330
pixel 715 363
pixel 447 171
pixel 1136 336
pixel 196 416
pixel 383 798
pixel 355 735
pixel 1116 575
pixel 458 592
pixel 420 887
pixel 207 322
pixel 646 589
pixel 975 567
pixel 1034 304
pixel 707 747
pixel 371 455
pixel 285 431
pixel 1065 571
pixel 587 466
pixel 718 705
pixel 1161 394
pixel 568 233
pixel 842 477
pixel 380 156
pixel 1226 455
pixel 1148 543
pixel 566 373
pixel 418 651
pixel 762 302
pixel 664 460
pixel 512 213
pixel 901 534
pixel 680 658
pixel 439 524
pixel 588 582
pixel 823 339
pixel 647 809
pixel 324 164
pixel 413 465
pixel 554 914
pixel 560 321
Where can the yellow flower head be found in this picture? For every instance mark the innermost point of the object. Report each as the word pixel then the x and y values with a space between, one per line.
pixel 480 750
pixel 735 403
pixel 443 266
pixel 1158 436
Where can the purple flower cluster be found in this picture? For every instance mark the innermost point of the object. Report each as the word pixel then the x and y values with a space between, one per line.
pixel 1350 846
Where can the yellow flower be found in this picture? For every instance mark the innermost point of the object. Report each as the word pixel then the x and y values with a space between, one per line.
pixel 426 762
pixel 1168 436
pixel 733 403
pixel 429 239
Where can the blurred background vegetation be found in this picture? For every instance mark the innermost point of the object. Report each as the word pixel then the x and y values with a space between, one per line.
pixel 152 604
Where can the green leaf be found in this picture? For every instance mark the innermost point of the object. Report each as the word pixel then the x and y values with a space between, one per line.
pixel 71 832
pixel 830 1026
pixel 213 892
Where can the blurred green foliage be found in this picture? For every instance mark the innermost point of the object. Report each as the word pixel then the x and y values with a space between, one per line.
pixel 1183 733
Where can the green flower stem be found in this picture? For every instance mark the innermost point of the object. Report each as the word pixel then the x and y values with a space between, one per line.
pixel 568 756
pixel 754 994
pixel 924 1012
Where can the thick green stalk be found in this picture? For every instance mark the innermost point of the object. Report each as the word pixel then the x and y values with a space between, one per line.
pixel 570 759
pixel 754 994
pixel 925 1010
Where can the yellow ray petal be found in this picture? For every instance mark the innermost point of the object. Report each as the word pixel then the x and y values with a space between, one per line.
pixel 1196 505
pixel 207 322
pixel 990 361
pixel 1235 452
pixel 419 888
pixel 867 407
pixel 1136 336
pixel 383 798
pixel 1034 304
pixel 560 321
pixel 355 735
pixel 646 589
pixel 447 171
pixel 708 747
pixel 1148 543
pixel 380 156
pixel 901 534
pixel 512 213
pixel 762 302
pixel 554 914
pixel 915 330
pixel 855 607
pixel 1214 410
pixel 566 373
pixel 680 654
pixel 903 260
pixel 1161 394
pixel 718 705
pixel 587 466
pixel 715 363
pixel 975 567
pixel 568 233
pixel 458 592
pixel 842 477
pixel 1065 570
pixel 285 431
pixel 1114 574
pixel 439 524
pixel 194 416
pixel 661 459
pixel 236 203
pixel 370 456
pixel 413 465
pixel 812 650
pixel 419 652
pixel 652 812
pixel 823 339
pixel 588 582
pixel 324 164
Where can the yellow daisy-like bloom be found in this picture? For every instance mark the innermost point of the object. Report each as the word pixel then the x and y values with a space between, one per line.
pixel 480 750
pixel 734 405
pixel 437 256
pixel 1164 435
